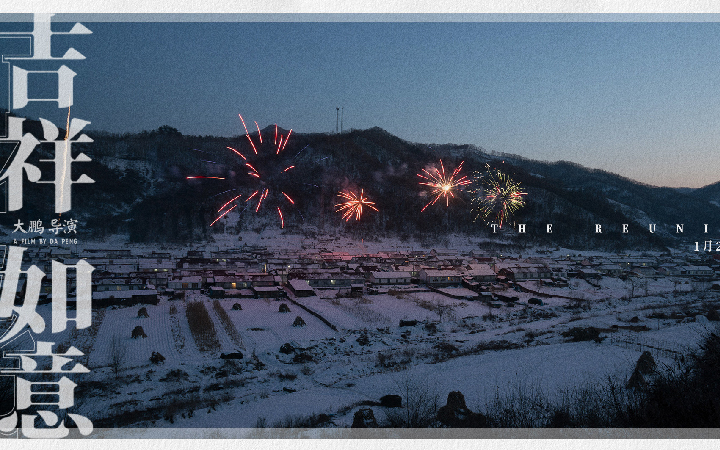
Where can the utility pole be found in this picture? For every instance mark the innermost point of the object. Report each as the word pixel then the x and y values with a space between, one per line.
pixel 342 116
pixel 337 120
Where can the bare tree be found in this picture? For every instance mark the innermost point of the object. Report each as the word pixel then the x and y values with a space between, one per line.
pixel 633 284
pixel 118 352
pixel 444 310
pixel 419 408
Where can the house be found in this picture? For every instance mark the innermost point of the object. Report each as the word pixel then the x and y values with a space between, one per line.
pixel 526 273
pixel 121 267
pixel 232 281
pixel 610 270
pixel 184 283
pixel 333 280
pixel 696 271
pixel 125 297
pixel 159 279
pixel 189 263
pixel 645 271
pixel 217 292
pixel 587 273
pixel 558 270
pixel 440 277
pixel 394 277
pixel 268 292
pixel 116 284
pixel 301 288
pixel 261 279
pixel 414 269
pixel 668 269
pixel 481 272
pixel 238 293
pixel 155 265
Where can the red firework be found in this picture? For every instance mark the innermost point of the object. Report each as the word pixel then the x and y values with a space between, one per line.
pixel 442 186
pixel 354 204
pixel 264 176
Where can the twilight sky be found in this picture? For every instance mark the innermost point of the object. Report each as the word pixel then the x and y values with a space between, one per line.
pixel 638 99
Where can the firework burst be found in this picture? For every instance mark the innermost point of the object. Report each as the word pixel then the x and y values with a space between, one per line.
pixel 498 196
pixel 268 170
pixel 353 206
pixel 441 185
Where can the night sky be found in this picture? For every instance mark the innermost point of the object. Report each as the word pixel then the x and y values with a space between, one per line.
pixel 638 99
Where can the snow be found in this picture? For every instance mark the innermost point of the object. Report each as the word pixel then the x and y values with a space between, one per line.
pixel 264 329
pixel 551 369
pixel 118 326
pixel 370 355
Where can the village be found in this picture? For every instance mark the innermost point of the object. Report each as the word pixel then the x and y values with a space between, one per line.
pixel 123 276
pixel 248 333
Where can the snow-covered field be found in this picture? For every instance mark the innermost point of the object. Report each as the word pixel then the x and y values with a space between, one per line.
pixel 455 345
pixel 343 372
pixel 116 330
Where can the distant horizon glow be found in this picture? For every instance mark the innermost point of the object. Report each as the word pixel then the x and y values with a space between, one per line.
pixel 638 99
